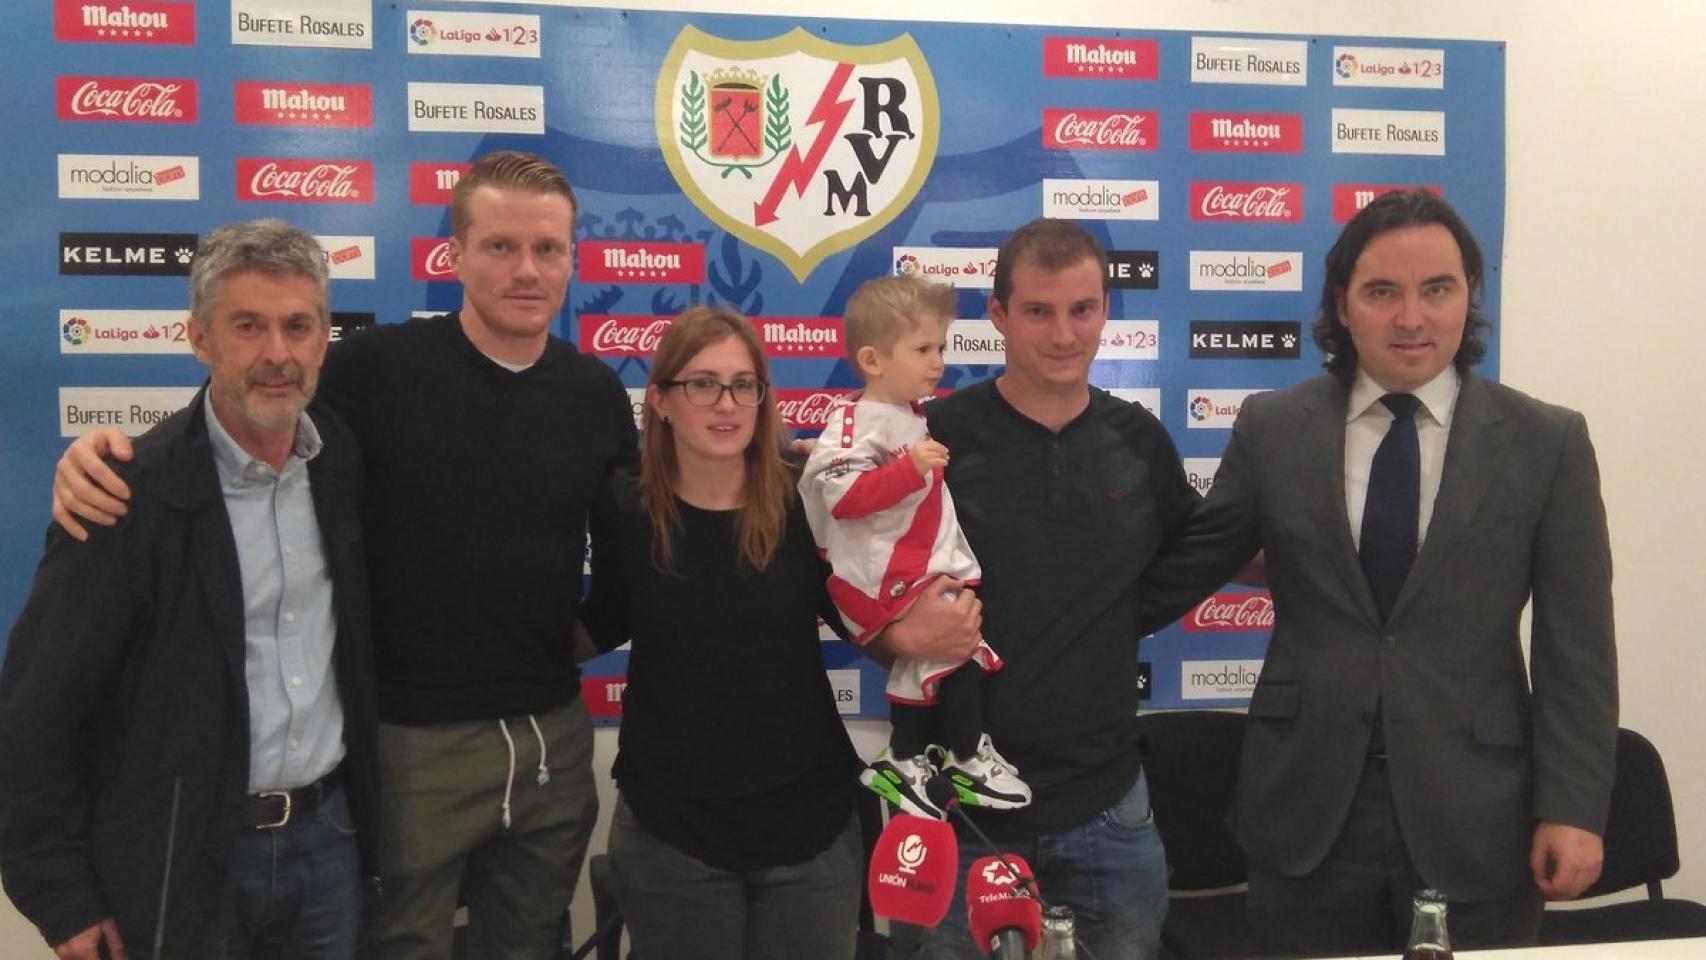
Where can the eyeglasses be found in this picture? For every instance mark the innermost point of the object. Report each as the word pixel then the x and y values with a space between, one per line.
pixel 706 392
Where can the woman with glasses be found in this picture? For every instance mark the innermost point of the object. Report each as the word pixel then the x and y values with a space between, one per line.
pixel 734 835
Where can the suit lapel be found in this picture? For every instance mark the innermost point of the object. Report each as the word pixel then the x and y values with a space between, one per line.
pixel 193 487
pixel 1321 472
pixel 1477 444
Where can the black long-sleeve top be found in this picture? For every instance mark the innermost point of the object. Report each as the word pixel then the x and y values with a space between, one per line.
pixel 731 747
pixel 479 480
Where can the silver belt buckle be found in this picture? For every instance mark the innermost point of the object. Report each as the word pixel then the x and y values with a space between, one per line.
pixel 287 808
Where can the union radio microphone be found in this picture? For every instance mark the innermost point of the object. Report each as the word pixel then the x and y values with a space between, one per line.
pixel 913 869
pixel 1006 920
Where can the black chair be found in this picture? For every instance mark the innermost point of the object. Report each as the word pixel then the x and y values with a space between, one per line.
pixel 1640 849
pixel 1191 761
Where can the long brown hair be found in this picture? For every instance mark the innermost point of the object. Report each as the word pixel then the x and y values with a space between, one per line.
pixel 769 483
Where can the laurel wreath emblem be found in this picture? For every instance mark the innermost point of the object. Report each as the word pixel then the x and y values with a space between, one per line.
pixel 694 127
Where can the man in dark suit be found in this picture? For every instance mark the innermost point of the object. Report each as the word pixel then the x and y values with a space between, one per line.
pixel 187 719
pixel 1409 511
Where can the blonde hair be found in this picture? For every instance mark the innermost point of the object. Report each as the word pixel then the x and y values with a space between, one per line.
pixel 881 309
pixel 769 483
pixel 508 170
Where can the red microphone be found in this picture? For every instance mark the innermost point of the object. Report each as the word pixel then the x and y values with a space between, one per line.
pixel 912 870
pixel 1005 919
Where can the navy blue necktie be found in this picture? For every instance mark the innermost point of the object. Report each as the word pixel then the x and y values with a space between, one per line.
pixel 1389 515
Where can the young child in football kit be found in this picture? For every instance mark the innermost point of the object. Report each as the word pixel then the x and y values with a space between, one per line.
pixel 877 504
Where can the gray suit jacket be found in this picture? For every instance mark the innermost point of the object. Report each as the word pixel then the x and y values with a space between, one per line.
pixel 1475 757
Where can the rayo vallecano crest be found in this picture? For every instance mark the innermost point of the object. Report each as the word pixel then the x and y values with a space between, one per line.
pixel 799 146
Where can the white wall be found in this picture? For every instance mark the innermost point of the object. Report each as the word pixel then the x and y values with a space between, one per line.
pixel 1606 158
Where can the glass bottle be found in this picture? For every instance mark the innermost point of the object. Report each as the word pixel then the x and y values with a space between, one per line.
pixel 1428 939
pixel 1060 939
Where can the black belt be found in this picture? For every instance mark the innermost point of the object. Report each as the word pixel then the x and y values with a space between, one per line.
pixel 271 809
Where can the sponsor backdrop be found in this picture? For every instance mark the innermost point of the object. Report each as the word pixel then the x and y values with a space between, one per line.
pixel 767 164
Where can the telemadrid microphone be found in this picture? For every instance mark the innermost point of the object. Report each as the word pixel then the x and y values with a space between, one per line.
pixel 940 791
pixel 913 869
pixel 1005 919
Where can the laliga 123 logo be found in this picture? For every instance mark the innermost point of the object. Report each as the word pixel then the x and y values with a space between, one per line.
pixel 75 331
pixel 1201 408
pixel 422 32
pixel 799 146
pixel 1345 66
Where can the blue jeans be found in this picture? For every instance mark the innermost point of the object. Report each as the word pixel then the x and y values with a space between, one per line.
pixel 1111 871
pixel 294 893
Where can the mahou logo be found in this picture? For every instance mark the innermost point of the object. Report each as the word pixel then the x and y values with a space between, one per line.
pixel 1232 613
pixel 1349 198
pixel 608 336
pixel 1104 57
pixel 431 183
pixel 127 99
pixel 806 408
pixel 1099 129
pixel 429 259
pixel 305 181
pixel 1247 132
pixel 604 261
pixel 800 336
pixel 1252 202
pixel 136 21
pixel 304 104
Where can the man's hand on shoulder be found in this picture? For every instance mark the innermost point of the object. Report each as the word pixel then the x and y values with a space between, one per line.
pixel 85 485
pixel 1565 860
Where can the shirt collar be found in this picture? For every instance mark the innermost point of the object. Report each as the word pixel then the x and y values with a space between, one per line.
pixel 235 464
pixel 1438 396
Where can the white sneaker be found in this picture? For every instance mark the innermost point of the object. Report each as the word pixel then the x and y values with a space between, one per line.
pixel 901 782
pixel 986 779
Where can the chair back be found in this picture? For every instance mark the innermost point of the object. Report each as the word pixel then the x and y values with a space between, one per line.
pixel 1191 760
pixel 1640 833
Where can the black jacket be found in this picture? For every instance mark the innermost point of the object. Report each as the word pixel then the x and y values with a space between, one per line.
pixel 124 717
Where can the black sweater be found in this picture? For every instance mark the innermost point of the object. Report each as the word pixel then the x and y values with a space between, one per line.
pixel 1063 524
pixel 731 747
pixel 479 480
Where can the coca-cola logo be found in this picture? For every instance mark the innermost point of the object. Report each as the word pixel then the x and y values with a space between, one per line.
pixel 608 336
pixel 307 181
pixel 1262 202
pixel 1099 129
pixel 806 409
pixel 1233 613
pixel 127 99
pixel 431 258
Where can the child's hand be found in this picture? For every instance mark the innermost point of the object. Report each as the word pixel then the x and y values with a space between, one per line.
pixel 927 455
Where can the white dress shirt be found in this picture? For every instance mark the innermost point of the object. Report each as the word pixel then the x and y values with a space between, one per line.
pixel 1366 423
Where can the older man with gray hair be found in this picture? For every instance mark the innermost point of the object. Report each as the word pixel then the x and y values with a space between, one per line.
pixel 186 707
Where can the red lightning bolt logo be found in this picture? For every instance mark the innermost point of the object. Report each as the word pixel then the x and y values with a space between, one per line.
pixel 796 171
